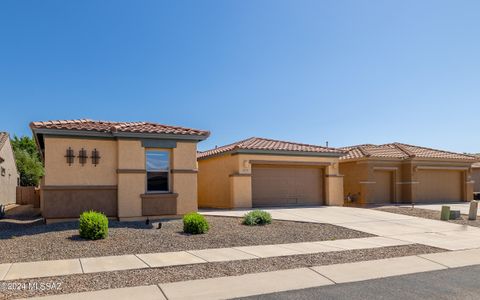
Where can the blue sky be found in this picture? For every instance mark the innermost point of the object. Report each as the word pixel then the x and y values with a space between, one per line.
pixel 347 72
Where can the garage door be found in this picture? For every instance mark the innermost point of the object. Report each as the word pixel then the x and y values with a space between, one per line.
pixel 383 187
pixel 283 186
pixel 439 186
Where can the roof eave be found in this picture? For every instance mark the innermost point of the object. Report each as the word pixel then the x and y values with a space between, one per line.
pixel 275 152
pixel 88 133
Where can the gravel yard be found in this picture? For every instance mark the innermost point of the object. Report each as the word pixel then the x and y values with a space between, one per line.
pixel 109 280
pixel 427 214
pixel 61 240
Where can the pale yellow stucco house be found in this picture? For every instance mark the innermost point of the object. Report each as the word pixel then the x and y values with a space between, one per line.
pixel 476 176
pixel 128 170
pixel 260 172
pixel 402 173
pixel 8 171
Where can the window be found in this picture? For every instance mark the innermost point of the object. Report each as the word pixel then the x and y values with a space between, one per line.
pixel 158 167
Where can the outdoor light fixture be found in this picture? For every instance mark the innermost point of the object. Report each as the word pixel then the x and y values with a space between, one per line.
pixel 95 157
pixel 70 156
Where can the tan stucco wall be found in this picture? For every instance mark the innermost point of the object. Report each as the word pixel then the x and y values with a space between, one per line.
pixel 185 185
pixel 122 164
pixel 360 178
pixel 58 172
pixel 8 183
pixel 131 155
pixel 214 181
pixel 225 181
pixel 130 187
pixel 185 156
pixel 241 191
pixel 354 174
pixel 476 178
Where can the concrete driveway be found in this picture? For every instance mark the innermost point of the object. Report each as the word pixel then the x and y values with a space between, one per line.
pixel 463 207
pixel 406 228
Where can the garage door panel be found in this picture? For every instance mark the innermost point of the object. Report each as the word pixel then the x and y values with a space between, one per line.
pixel 383 191
pixel 439 186
pixel 282 186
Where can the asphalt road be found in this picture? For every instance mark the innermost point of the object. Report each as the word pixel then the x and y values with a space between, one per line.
pixel 459 283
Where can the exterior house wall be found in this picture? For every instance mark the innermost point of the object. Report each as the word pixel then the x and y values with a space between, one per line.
pixel 132 180
pixel 184 176
pixel 354 176
pixel 59 172
pixel 360 178
pixel 8 181
pixel 118 183
pixel 215 181
pixel 225 181
pixel 476 179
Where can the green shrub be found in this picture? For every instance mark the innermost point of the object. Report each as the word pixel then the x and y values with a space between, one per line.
pixel 93 225
pixel 195 223
pixel 257 217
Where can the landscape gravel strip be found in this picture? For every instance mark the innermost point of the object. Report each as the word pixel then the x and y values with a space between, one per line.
pixel 428 214
pixel 118 279
pixel 61 240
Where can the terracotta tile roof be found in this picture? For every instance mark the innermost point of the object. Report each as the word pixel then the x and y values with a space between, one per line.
pixel 400 151
pixel 256 143
pixel 3 139
pixel 112 127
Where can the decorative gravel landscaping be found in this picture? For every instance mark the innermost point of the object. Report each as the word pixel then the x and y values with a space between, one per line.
pixel 109 280
pixel 61 240
pixel 428 214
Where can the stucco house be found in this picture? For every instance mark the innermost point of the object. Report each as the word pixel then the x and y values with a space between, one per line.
pixel 476 176
pixel 128 170
pixel 8 171
pixel 260 172
pixel 401 173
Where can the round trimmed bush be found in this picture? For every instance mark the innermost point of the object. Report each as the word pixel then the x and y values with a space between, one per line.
pixel 257 217
pixel 195 223
pixel 93 225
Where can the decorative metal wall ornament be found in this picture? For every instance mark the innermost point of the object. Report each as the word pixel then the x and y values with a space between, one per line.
pixel 70 156
pixel 82 156
pixel 95 157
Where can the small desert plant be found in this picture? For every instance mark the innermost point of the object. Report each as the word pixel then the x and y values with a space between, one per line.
pixel 257 217
pixel 93 225
pixel 195 223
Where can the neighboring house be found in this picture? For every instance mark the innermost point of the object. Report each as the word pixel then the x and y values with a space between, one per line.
pixel 260 172
pixel 128 170
pixel 8 171
pixel 476 176
pixel 401 173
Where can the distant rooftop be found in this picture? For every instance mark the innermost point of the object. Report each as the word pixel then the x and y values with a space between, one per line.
pixel 400 151
pixel 256 143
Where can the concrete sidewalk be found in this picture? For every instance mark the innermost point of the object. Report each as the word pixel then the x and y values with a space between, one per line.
pixel 407 228
pixel 40 269
pixel 278 281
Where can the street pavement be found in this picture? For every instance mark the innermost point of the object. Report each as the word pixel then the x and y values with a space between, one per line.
pixel 458 283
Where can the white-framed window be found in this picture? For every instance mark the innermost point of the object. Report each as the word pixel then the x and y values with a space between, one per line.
pixel 158 170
